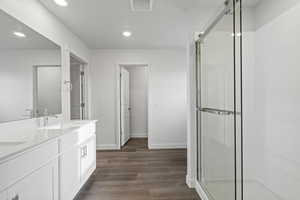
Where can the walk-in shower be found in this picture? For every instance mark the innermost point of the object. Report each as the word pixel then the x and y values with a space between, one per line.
pixel 219 105
pixel 247 100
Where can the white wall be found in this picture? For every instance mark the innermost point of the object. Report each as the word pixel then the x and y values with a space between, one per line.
pixel 268 10
pixel 272 97
pixel 138 89
pixel 16 79
pixel 167 95
pixel 191 114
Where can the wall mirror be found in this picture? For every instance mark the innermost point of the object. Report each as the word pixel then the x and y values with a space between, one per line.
pixel 30 72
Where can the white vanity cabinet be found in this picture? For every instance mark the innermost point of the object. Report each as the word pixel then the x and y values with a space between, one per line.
pixel 39 185
pixel 3 196
pixel 69 167
pixel 78 160
pixel 54 169
pixel 87 158
pixel 31 175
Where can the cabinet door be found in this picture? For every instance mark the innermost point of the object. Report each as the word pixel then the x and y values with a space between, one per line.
pixel 70 173
pixel 39 185
pixel 3 196
pixel 88 158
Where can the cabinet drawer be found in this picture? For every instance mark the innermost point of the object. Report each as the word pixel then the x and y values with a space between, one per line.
pixel 15 169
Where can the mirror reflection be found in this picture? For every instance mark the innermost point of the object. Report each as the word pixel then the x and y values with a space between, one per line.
pixel 30 72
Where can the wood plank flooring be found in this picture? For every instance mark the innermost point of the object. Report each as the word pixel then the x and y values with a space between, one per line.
pixel 136 173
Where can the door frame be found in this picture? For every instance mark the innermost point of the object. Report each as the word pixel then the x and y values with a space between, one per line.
pixel 118 101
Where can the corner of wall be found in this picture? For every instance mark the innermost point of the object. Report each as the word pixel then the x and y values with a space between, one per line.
pixel 190 181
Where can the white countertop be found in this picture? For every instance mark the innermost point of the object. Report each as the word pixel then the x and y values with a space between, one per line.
pixel 37 137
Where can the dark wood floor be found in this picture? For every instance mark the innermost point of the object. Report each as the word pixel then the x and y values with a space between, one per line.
pixel 136 173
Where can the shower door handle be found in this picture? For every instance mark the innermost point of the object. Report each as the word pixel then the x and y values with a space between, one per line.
pixel 217 111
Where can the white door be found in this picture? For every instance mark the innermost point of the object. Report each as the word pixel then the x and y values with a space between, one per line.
pixel 125 107
pixel 3 196
pixel 70 174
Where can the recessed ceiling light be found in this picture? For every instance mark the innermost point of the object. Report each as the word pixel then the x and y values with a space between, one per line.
pixel 127 33
pixel 62 3
pixel 19 34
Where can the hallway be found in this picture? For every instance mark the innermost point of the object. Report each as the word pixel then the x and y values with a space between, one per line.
pixel 136 173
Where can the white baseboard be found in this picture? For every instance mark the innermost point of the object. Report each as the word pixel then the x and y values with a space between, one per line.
pixel 167 146
pixel 127 139
pixel 200 191
pixel 107 147
pixel 138 135
pixel 189 181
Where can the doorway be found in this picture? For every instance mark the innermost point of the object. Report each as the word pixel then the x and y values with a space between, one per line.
pixel 78 89
pixel 133 103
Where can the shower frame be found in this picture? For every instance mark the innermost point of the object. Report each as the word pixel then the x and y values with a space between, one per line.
pixel 229 7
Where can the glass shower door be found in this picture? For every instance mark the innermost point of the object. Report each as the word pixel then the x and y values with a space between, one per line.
pixel 218 110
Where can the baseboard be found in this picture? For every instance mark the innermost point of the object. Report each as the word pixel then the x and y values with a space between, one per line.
pixel 125 142
pixel 138 135
pixel 189 181
pixel 200 191
pixel 167 146
pixel 107 147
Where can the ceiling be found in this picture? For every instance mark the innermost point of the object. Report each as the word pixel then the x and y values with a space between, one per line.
pixel 33 40
pixel 100 23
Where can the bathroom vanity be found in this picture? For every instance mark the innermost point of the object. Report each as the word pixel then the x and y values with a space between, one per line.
pixel 53 163
pixel 41 158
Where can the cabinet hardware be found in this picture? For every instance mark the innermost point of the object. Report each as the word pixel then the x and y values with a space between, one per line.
pixel 85 151
pixel 82 152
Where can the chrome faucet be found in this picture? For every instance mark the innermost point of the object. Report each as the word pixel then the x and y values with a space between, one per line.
pixel 29 113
